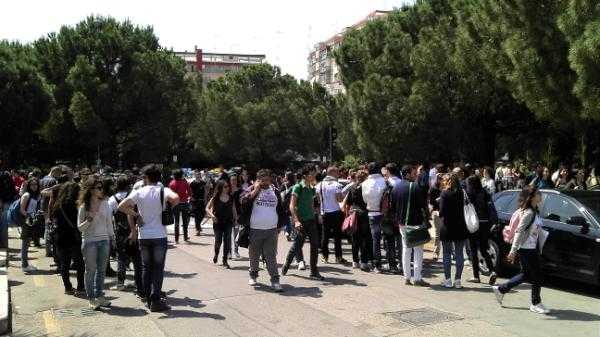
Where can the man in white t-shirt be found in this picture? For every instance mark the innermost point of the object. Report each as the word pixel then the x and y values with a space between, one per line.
pixel 150 231
pixel 329 194
pixel 266 210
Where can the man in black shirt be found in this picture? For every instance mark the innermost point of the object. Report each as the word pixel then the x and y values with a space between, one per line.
pixel 198 199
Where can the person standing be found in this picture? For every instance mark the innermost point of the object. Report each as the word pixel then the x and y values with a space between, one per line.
pixel 182 211
pixel 409 207
pixel 434 208
pixel 286 195
pixel 68 238
pixel 94 221
pixel 478 241
pixel 487 181
pixel 372 190
pixel 329 193
pixel 303 215
pixel 221 209
pixel 453 232
pixel 393 239
pixel 235 192
pixel 362 243
pixel 128 250
pixel 263 212
pixel 198 198
pixel 151 200
pixel 29 211
pixel 525 245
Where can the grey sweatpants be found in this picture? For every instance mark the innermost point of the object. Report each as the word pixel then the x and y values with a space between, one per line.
pixel 263 241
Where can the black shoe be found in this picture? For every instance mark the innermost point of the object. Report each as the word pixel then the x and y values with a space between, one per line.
pixel 159 306
pixel 317 277
pixel 340 260
pixel 226 265
pixel 69 292
pixel 215 259
pixel 493 278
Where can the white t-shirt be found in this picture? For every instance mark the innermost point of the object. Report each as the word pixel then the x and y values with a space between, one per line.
pixel 140 183
pixel 113 204
pixel 32 207
pixel 264 212
pixel 147 199
pixel 532 240
pixel 327 191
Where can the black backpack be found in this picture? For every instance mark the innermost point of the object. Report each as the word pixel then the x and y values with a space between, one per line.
pixel 121 222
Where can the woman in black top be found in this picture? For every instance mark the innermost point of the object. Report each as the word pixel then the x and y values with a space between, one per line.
pixel 478 241
pixel 434 209
pixel 361 239
pixel 68 237
pixel 453 232
pixel 221 209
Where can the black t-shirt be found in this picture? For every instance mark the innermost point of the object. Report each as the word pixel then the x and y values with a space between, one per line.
pixel 198 189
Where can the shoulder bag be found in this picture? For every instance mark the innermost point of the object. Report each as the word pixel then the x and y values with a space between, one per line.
pixel 414 236
pixel 166 209
pixel 470 213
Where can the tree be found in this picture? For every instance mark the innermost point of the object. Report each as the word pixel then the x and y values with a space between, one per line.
pixel 25 102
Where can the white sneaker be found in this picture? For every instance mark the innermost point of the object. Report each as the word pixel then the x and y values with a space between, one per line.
pixel 355 265
pixel 499 295
pixel 467 263
pixel 236 255
pixel 539 309
pixel 276 287
pixel 447 283
pixel 301 265
pixel 93 304
pixel 457 284
pixel 252 282
pixel 103 302
pixel 28 269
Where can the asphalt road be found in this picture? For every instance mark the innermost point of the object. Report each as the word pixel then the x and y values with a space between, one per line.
pixel 208 300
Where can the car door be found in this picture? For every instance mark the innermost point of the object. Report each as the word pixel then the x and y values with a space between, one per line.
pixel 567 250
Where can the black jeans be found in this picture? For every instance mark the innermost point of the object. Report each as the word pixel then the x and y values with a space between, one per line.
pixel 362 241
pixel 183 210
pixel 198 212
pixel 530 272
pixel 66 255
pixel 310 229
pixel 479 242
pixel 129 253
pixel 153 252
pixel 332 226
pixel 223 236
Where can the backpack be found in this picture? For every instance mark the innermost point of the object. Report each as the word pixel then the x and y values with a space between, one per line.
pixel 14 215
pixel 121 223
pixel 387 222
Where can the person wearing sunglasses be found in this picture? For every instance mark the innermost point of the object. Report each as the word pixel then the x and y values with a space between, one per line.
pixel 94 221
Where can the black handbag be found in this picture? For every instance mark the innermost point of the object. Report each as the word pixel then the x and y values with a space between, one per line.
pixel 243 238
pixel 167 210
pixel 414 236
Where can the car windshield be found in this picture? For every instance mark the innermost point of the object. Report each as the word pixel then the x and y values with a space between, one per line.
pixel 592 203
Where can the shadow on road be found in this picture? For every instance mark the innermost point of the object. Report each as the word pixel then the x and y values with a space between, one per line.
pixel 190 314
pixel 171 274
pixel 565 315
pixel 185 302
pixel 124 311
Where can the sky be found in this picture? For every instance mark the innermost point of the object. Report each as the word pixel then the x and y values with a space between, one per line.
pixel 284 30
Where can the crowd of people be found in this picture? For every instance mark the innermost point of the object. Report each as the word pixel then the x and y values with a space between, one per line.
pixel 86 216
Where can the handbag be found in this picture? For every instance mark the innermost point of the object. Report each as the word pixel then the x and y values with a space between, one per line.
pixel 167 211
pixel 414 236
pixel 243 237
pixel 350 223
pixel 470 213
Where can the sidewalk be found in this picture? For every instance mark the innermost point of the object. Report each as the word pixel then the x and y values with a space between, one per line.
pixel 208 300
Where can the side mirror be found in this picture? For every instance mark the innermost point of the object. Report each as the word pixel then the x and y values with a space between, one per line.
pixel 577 221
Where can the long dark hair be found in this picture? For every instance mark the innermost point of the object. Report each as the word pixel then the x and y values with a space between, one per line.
pixel 474 185
pixel 32 194
pixel 219 186
pixel 86 191
pixel 67 197
pixel 526 197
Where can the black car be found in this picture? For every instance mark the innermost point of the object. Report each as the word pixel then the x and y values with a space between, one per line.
pixel 572 219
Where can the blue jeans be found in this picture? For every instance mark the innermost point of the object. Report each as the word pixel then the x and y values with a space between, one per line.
pixel 4 225
pixel 530 271
pixel 154 252
pixel 375 225
pixel 457 246
pixel 95 256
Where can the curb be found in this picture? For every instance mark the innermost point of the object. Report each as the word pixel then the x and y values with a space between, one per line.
pixel 5 322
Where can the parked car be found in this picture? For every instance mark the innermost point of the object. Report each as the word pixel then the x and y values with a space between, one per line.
pixel 572 218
